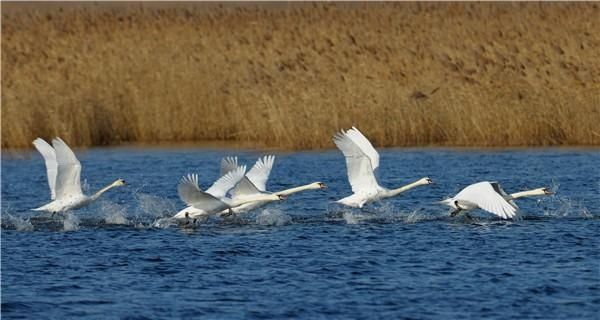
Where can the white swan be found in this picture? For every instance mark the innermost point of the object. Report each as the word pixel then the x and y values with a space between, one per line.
pixel 361 161
pixel 64 172
pixel 254 183
pixel 214 200
pixel 490 197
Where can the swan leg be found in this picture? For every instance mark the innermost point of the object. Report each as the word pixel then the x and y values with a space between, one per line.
pixel 187 218
pixel 455 212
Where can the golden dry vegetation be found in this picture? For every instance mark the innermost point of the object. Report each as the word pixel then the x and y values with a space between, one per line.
pixel 290 75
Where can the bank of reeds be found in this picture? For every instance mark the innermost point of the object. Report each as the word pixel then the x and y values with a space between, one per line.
pixel 289 76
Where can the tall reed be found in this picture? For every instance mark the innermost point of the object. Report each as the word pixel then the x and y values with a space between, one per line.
pixel 289 76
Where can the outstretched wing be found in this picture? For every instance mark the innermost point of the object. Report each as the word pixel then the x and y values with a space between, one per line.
pixel 225 183
pixel 485 197
pixel 50 160
pixel 228 164
pixel 503 193
pixel 259 174
pixel 365 145
pixel 361 159
pixel 190 193
pixel 68 171
pixel 244 188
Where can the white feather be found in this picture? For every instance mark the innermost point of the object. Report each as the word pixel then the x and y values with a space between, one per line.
pixel 361 160
pixel 483 195
pixel 68 183
pixel 49 155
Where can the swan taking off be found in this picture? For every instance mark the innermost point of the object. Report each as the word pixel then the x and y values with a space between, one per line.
pixel 64 172
pixel 361 161
pixel 490 197
pixel 214 199
pixel 255 182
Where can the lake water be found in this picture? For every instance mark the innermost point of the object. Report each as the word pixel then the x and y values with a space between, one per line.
pixel 306 257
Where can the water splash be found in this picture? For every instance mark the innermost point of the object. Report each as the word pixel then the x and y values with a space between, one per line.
pixel 164 223
pixel 113 213
pixel 154 206
pixel 564 207
pixel 273 217
pixel 349 217
pixel 416 217
pixel 70 222
pixel 8 221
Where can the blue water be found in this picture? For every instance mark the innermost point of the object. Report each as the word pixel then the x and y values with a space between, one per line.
pixel 305 257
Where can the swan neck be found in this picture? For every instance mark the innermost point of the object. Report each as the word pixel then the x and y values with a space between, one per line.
pixel 395 192
pixel 262 197
pixel 528 193
pixel 101 191
pixel 289 191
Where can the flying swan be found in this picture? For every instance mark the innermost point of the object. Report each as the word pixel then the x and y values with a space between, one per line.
pixel 214 200
pixel 361 161
pixel 490 197
pixel 64 171
pixel 254 183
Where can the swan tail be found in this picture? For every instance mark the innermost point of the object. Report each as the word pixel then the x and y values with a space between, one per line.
pixel 351 201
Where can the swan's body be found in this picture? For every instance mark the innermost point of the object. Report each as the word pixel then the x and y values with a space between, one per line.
pixel 490 197
pixel 64 171
pixel 361 161
pixel 255 182
pixel 214 200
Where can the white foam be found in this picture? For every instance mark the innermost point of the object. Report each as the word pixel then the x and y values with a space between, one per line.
pixel 164 223
pixel 71 222
pixel 113 213
pixel 350 218
pixel 154 206
pixel 18 223
pixel 273 217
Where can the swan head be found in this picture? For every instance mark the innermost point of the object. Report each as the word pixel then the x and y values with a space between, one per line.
pixel 318 185
pixel 118 183
pixel 425 181
pixel 547 191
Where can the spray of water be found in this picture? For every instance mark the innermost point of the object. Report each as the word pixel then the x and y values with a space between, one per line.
pixel 113 213
pixel 70 222
pixel 273 217
pixel 153 207
pixel 17 223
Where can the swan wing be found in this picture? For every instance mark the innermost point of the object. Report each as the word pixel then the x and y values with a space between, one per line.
pixel 68 173
pixel 227 182
pixel 228 164
pixel 259 174
pixel 244 188
pixel 49 155
pixel 190 193
pixel 487 198
pixel 359 164
pixel 503 193
pixel 365 145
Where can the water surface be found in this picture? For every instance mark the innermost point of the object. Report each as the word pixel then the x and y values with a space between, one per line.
pixel 306 257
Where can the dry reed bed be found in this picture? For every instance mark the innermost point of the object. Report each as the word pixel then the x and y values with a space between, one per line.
pixel 508 74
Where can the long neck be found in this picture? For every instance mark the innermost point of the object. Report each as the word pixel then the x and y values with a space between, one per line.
pixel 260 197
pixel 528 193
pixel 101 191
pixel 287 192
pixel 395 192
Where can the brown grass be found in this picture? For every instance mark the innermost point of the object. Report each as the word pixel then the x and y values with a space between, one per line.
pixel 289 76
